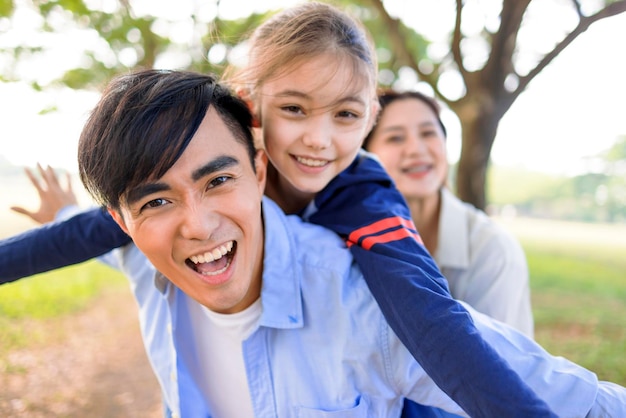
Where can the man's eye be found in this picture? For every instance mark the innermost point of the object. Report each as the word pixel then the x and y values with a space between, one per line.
pixel 154 204
pixel 347 114
pixel 217 181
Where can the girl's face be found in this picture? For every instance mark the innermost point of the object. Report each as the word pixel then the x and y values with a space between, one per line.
pixel 411 146
pixel 313 119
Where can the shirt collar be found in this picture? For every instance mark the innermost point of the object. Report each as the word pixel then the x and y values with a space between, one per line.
pixel 281 289
pixel 453 248
pixel 160 281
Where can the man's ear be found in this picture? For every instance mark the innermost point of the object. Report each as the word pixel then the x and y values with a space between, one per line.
pixel 119 219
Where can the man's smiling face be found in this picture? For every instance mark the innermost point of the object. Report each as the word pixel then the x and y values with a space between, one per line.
pixel 200 223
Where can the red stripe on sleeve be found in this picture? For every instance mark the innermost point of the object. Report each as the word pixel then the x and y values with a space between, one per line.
pixel 380 226
pixel 396 235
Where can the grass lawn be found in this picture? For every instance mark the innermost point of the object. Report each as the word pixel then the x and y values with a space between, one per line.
pixel 578 282
pixel 30 306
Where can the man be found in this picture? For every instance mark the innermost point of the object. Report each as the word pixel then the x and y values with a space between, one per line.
pixel 245 311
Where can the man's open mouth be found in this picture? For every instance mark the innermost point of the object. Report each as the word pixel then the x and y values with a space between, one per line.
pixel 213 262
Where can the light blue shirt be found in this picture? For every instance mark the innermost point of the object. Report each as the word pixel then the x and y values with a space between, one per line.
pixel 322 347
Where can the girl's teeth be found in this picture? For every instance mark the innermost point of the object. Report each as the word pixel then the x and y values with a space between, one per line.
pixel 310 162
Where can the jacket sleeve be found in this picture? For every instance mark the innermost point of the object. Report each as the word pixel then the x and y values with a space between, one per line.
pixel 82 237
pixel 363 206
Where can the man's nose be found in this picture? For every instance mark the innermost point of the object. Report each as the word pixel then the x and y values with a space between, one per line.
pixel 197 223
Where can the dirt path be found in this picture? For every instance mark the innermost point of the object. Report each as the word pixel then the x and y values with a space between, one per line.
pixel 97 368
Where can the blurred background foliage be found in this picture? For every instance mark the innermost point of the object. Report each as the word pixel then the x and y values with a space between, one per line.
pixel 599 195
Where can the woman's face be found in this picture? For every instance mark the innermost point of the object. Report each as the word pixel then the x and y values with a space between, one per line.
pixel 411 146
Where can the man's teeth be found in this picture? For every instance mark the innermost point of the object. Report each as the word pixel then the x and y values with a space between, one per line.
pixel 311 163
pixel 211 256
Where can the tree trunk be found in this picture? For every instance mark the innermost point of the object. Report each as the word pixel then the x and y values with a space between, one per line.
pixel 478 136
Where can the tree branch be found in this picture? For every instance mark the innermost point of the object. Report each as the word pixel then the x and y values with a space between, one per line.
pixel 583 24
pixel 457 36
pixel 499 64
pixel 398 42
pixel 578 8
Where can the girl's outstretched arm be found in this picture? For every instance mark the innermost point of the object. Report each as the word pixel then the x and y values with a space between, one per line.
pixel 82 237
pixel 363 206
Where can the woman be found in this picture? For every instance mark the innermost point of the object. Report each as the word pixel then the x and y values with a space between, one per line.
pixel 484 265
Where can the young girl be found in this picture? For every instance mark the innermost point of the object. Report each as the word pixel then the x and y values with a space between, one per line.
pixel 311 80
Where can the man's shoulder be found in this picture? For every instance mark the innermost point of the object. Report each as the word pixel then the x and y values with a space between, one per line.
pixel 307 241
pixel 132 262
pixel 294 225
pixel 307 233
pixel 317 245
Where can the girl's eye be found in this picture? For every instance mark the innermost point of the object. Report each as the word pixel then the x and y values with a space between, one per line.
pixel 154 204
pixel 429 133
pixel 292 109
pixel 217 181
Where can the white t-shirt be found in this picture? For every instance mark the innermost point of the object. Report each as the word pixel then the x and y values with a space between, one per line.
pixel 221 370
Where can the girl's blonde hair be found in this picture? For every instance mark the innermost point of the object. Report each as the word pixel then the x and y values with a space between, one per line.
pixel 304 32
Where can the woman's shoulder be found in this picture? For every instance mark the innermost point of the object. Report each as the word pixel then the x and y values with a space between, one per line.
pixel 483 230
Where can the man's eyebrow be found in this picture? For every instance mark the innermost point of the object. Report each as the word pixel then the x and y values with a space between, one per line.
pixel 137 193
pixel 219 163
pixel 143 190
